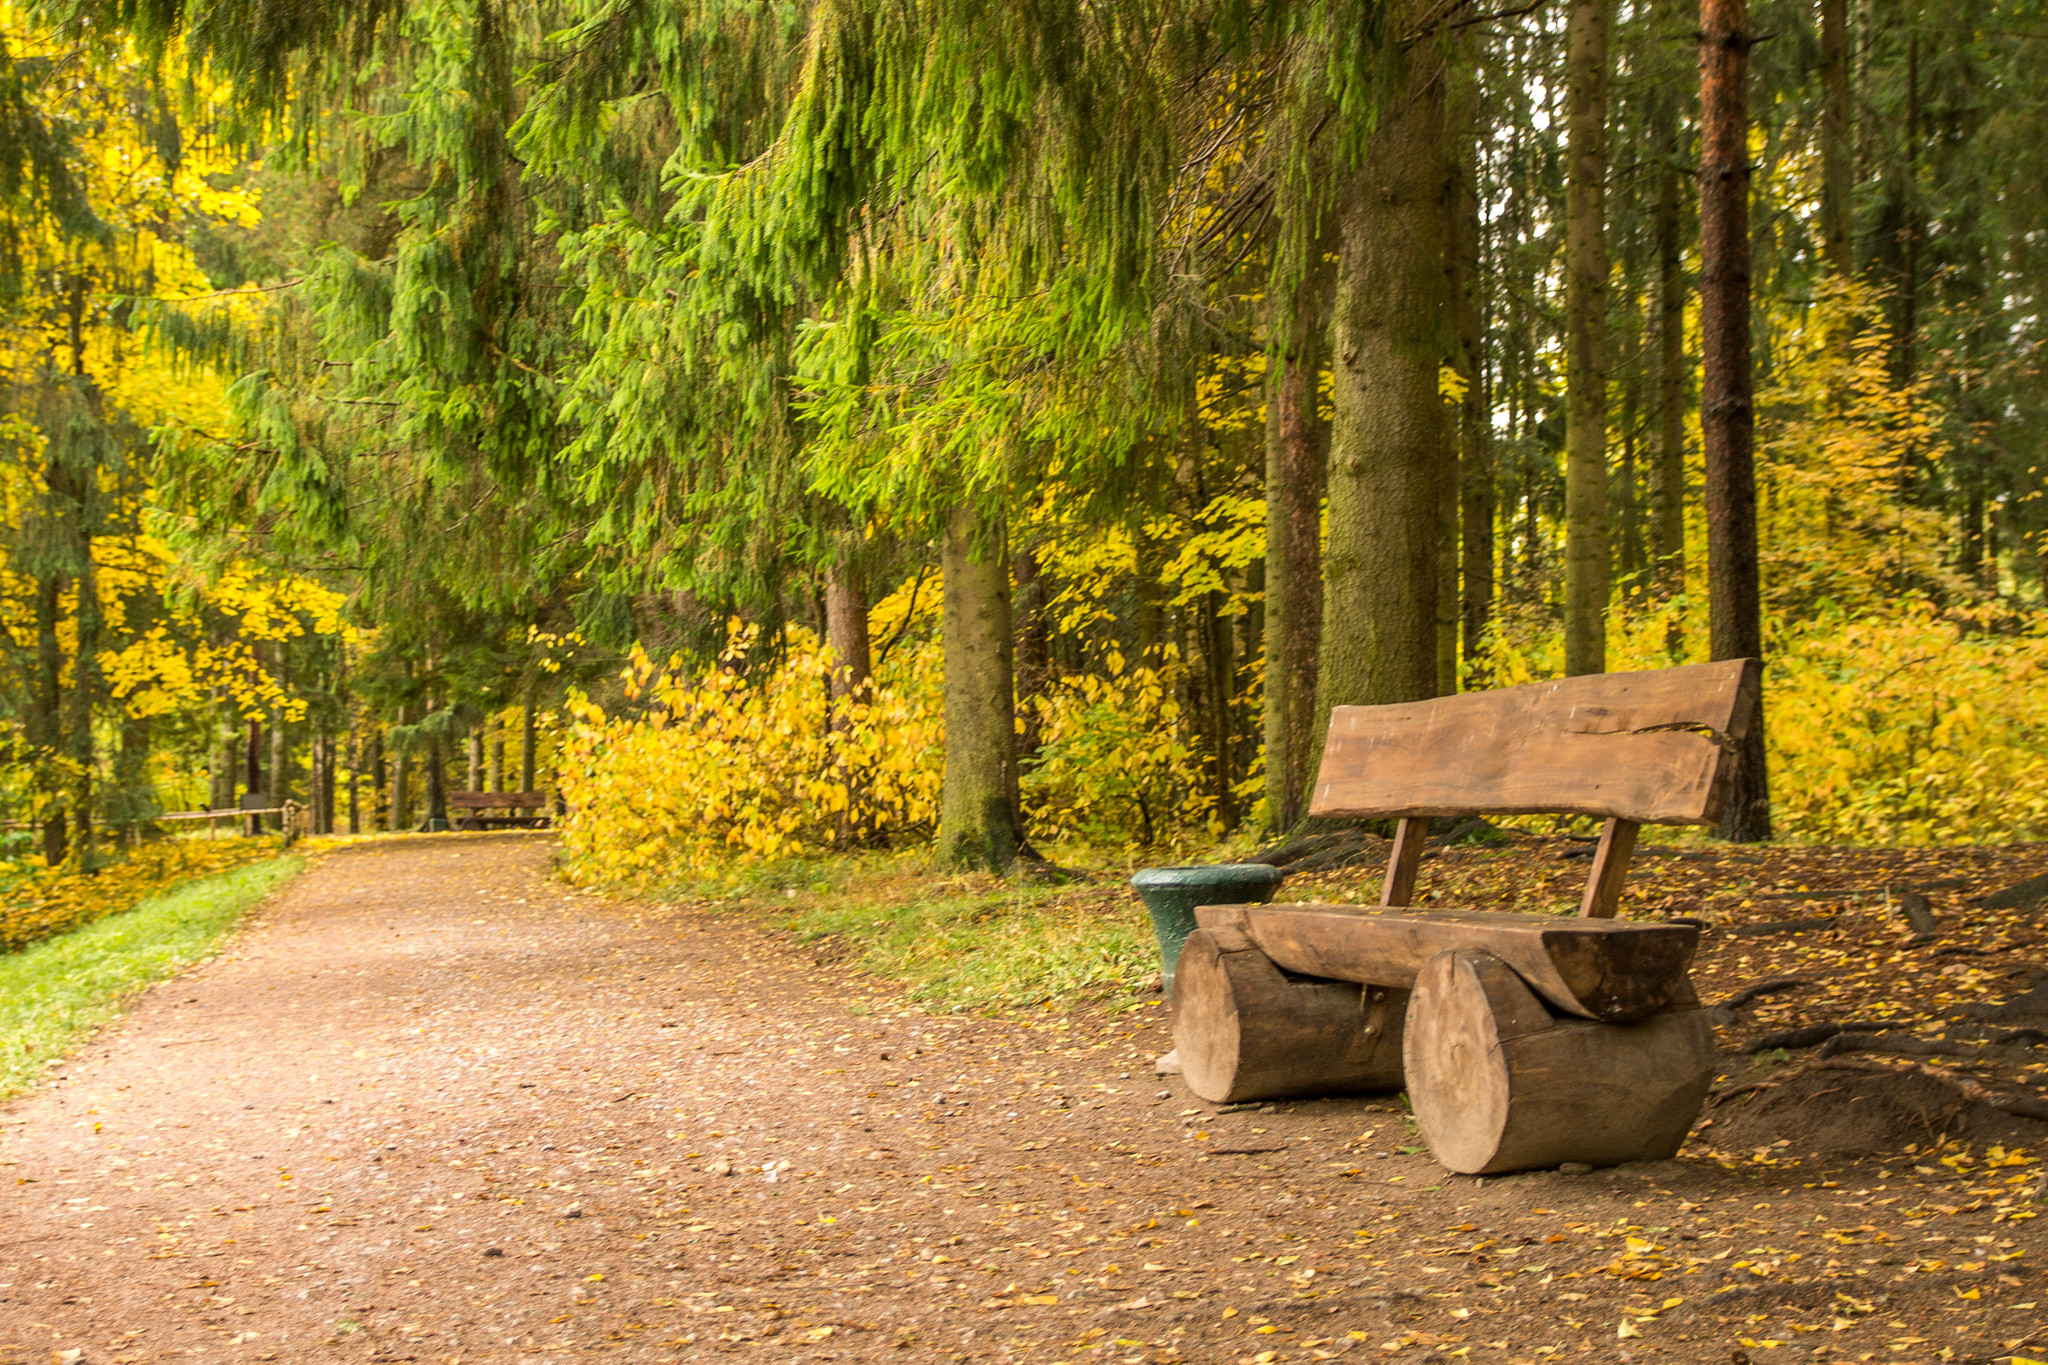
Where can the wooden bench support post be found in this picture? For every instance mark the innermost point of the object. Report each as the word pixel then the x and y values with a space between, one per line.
pixel 1404 861
pixel 1610 869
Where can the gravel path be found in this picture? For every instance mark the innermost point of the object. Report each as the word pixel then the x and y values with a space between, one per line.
pixel 431 1106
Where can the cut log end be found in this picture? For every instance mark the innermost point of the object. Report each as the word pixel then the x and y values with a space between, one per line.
pixel 1501 1084
pixel 1245 1030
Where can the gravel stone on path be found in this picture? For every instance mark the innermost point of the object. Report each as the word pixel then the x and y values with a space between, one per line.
pixel 432 1106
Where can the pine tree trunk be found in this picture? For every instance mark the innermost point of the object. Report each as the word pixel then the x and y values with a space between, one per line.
pixel 221 758
pixel 252 758
pixel 849 683
pixel 1034 651
pixel 280 738
pixel 528 741
pixel 846 632
pixel 401 781
pixel 437 784
pixel 1726 407
pixel 355 779
pixel 497 777
pixel 46 716
pixel 1667 471
pixel 381 814
pixel 1837 139
pixel 474 753
pixel 978 818
pixel 1476 493
pixel 1587 554
pixel 1297 447
pixel 1387 341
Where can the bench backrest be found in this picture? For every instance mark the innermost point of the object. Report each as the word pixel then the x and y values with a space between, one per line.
pixel 497 800
pixel 1656 747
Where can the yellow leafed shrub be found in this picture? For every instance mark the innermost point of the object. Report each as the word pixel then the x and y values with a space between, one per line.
pixel 38 904
pixel 1909 729
pixel 1115 766
pixel 741 765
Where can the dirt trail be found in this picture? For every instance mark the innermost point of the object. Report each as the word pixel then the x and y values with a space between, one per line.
pixel 434 1107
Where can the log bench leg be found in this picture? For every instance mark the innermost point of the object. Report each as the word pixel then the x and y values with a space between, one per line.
pixel 1245 1030
pixel 1500 1084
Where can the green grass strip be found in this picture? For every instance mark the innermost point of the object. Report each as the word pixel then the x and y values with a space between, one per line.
pixel 55 994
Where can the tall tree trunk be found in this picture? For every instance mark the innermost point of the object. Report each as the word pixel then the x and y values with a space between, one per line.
pixel 355 778
pixel 1588 565
pixel 978 817
pixel 280 736
pixel 850 682
pixel 323 791
pixel 1297 447
pixel 1726 408
pixel 1667 470
pixel 1913 224
pixel 1837 140
pixel 401 779
pixel 1034 651
pixel 1475 481
pixel 252 779
pixel 221 757
pixel 46 717
pixel 437 784
pixel 382 816
pixel 497 777
pixel 1387 342
pixel 529 740
pixel 474 754
pixel 846 631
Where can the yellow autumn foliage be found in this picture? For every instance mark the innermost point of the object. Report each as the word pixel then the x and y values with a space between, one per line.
pixel 741 765
pixel 38 903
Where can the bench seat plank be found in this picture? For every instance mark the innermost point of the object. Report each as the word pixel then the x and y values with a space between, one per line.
pixel 1613 971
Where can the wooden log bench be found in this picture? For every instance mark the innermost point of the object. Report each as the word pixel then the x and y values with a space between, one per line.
pixel 1523 1040
pixel 512 803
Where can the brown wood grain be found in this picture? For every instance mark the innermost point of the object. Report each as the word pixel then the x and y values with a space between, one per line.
pixel 1244 1030
pixel 1610 869
pixel 1653 747
pixel 1404 860
pixel 1499 1084
pixel 496 800
pixel 1594 968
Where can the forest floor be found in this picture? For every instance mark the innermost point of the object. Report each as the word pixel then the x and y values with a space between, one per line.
pixel 433 1106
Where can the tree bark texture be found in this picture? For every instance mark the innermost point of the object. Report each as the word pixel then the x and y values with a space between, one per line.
pixel 1727 414
pixel 848 684
pixel 1475 486
pixel 1587 557
pixel 46 715
pixel 846 631
pixel 1033 607
pixel 528 742
pixel 437 784
pixel 978 816
pixel 1297 449
pixel 1837 139
pixel 1387 340
pixel 1667 469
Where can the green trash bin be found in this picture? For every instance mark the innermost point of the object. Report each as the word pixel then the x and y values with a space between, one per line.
pixel 1172 895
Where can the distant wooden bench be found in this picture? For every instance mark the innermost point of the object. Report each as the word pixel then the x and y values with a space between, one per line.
pixel 1522 1040
pixel 510 802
